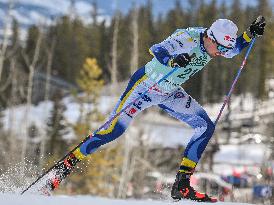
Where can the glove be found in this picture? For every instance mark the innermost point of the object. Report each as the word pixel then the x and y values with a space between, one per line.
pixel 256 29
pixel 181 60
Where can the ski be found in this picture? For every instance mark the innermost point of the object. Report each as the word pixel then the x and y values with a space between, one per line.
pixel 52 179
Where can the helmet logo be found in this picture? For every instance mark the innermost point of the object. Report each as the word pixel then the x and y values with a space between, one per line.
pixel 228 38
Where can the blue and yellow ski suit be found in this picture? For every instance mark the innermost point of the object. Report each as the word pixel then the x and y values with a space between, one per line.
pixel 168 95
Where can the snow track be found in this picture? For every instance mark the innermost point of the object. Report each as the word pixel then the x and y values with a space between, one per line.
pixel 13 199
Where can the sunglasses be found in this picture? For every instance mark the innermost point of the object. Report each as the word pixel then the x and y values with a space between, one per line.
pixel 221 48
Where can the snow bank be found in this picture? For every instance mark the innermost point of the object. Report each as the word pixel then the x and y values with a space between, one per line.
pixel 12 199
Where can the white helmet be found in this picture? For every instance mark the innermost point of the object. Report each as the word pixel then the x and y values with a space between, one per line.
pixel 224 32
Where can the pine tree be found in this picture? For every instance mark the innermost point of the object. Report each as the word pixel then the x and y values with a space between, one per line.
pixel 176 18
pixel 90 80
pixel 214 70
pixel 237 16
pixel 104 48
pixel 32 38
pixel 71 47
pixel 204 75
pixel 15 34
pixel 146 25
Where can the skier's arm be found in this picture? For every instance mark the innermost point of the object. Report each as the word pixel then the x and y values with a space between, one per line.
pixel 160 53
pixel 169 49
pixel 241 42
pixel 256 29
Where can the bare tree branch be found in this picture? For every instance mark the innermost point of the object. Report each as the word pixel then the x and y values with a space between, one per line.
pixel 31 65
pixel 7 83
pixel 47 89
pixel 49 68
pixel 135 48
pixel 113 70
pixel 4 45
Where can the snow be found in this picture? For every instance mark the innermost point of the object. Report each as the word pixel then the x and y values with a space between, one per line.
pixel 30 12
pixel 168 136
pixel 161 130
pixel 240 106
pixel 240 158
pixel 248 154
pixel 12 199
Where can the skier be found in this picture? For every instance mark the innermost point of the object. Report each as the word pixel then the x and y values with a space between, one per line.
pixel 190 49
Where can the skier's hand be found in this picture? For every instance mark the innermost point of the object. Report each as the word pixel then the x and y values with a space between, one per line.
pixel 256 29
pixel 181 60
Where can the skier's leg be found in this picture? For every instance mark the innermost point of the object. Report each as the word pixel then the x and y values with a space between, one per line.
pixel 183 107
pixel 135 88
pixel 137 85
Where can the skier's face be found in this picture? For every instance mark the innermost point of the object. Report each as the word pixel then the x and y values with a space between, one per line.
pixel 211 47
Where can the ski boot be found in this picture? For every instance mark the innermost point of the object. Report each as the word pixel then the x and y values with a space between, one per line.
pixel 181 189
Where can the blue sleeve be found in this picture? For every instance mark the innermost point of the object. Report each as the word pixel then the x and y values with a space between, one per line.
pixel 242 41
pixel 178 42
pixel 160 53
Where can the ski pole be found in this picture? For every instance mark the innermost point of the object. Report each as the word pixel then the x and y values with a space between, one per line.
pixel 227 97
pixel 104 125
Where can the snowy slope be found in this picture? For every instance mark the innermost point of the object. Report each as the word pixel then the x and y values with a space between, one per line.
pixel 30 12
pixel 163 131
pixel 10 199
